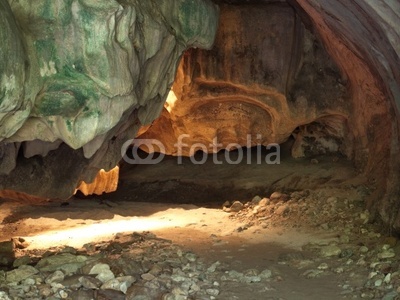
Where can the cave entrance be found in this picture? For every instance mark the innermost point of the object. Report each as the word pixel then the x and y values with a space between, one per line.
pixel 212 179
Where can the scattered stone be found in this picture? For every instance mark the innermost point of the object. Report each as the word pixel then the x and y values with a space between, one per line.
pixel 148 276
pixel 65 261
pixel 146 267
pixel 236 206
pixel 24 260
pixel 264 202
pixel 213 267
pixel 344 239
pixel 68 249
pixel 312 273
pixel 346 253
pixel 331 250
pixel 125 283
pixel 21 273
pixel 256 200
pixel 20 243
pixel 282 210
pixel 63 294
pixel 82 295
pixel 391 295
pixel 112 284
pixel 57 276
pixel 266 274
pixel 378 282
pixel 323 266
pixel 226 204
pixel 278 196
pixel 89 282
pixel 4 296
pixel 105 276
pixel 110 294
pixel 212 292
pixel 389 253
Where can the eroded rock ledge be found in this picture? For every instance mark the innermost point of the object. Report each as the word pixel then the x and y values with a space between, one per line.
pixel 78 78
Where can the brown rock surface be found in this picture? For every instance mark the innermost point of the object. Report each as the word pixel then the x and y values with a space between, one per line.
pixel 105 182
pixel 268 76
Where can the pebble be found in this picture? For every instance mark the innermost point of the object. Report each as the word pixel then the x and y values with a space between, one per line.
pixel 282 210
pixel 331 250
pixel 24 260
pixel 21 273
pixel 389 253
pixel 67 262
pixel 105 276
pixel 148 276
pixel 256 200
pixel 278 196
pixel 323 266
pixel 212 292
pixel 378 282
pixel 266 274
pixel 264 202
pixel 236 206
pixel 57 276
pixel 213 267
pixel 112 284
pixel 89 282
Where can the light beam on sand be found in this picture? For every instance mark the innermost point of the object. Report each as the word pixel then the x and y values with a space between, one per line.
pixel 78 236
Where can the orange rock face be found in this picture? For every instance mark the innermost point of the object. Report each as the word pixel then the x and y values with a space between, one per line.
pixel 325 72
pixel 266 77
pixel 105 182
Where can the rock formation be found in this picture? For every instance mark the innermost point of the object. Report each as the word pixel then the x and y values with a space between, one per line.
pixel 327 73
pixel 79 78
pixel 266 77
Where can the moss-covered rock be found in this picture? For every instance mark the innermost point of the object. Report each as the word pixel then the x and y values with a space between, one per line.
pixel 88 73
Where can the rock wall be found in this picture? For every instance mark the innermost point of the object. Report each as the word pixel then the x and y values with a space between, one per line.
pixel 79 77
pixel 267 77
pixel 323 71
pixel 363 37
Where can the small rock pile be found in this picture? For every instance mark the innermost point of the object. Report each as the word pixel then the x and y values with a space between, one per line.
pixel 365 260
pixel 132 267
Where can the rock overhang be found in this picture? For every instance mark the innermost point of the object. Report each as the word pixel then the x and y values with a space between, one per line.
pixel 362 38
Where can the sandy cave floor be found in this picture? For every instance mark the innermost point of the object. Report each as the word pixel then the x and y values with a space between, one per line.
pixel 316 239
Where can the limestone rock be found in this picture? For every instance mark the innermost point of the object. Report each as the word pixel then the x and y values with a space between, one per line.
pixel 63 261
pixel 90 282
pixel 21 273
pixel 236 206
pixel 331 250
pixel 78 79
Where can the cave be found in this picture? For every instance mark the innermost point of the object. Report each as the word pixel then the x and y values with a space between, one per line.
pixel 199 149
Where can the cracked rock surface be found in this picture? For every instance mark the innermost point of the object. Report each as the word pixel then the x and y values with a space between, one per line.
pixel 78 79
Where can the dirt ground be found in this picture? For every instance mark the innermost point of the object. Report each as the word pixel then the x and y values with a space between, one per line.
pixel 320 205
